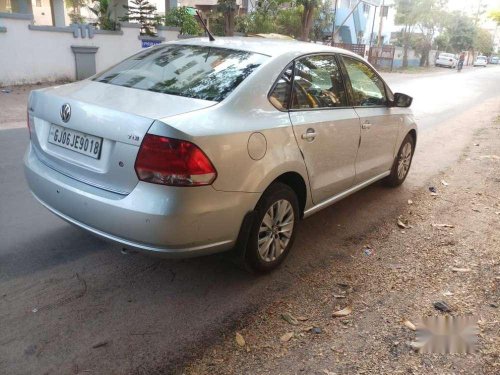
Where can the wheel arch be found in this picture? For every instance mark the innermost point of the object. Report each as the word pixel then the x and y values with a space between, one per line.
pixel 297 183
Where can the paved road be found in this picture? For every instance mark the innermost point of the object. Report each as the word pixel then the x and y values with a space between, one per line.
pixel 71 303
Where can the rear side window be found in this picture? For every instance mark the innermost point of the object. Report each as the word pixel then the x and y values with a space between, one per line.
pixel 193 71
pixel 280 94
pixel 318 83
pixel 367 87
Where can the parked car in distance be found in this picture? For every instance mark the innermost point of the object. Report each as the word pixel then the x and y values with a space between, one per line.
pixel 481 61
pixel 447 60
pixel 196 147
pixel 494 60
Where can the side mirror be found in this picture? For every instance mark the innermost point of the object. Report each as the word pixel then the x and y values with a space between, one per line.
pixel 402 100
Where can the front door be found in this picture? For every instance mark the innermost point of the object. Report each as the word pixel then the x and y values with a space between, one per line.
pixel 379 122
pixel 326 129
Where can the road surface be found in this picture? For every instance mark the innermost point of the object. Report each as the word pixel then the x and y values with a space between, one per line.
pixel 71 303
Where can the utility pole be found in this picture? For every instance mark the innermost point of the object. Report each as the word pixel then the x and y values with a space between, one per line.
pixel 380 24
pixel 333 25
pixel 373 24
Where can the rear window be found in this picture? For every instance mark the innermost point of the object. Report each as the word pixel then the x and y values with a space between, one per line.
pixel 446 56
pixel 193 71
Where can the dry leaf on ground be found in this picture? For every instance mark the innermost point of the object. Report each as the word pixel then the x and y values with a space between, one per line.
pixel 289 318
pixel 409 324
pixel 344 312
pixel 286 337
pixel 240 340
pixel 458 269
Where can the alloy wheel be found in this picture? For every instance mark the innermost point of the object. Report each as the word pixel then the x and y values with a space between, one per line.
pixel 275 230
pixel 404 160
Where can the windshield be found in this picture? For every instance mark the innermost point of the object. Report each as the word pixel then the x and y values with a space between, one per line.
pixel 193 71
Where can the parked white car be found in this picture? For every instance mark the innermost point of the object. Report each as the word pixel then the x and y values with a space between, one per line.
pixel 481 61
pixel 447 60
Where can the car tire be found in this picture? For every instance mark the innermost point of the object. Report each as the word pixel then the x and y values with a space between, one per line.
pixel 402 162
pixel 275 225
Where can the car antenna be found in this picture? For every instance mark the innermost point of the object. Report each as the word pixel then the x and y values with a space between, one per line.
pixel 196 12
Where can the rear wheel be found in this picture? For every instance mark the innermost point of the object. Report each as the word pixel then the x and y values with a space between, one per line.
pixel 402 162
pixel 274 228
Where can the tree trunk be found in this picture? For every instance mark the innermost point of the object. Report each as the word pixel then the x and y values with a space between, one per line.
pixel 405 48
pixel 307 18
pixel 229 24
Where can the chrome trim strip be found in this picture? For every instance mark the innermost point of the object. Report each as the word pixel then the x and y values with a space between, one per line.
pixel 344 194
pixel 187 251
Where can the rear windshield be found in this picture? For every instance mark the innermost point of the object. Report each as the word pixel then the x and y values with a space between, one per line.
pixel 193 71
pixel 446 55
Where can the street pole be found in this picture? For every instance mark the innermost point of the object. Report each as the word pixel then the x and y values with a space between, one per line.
pixel 373 25
pixel 380 24
pixel 333 26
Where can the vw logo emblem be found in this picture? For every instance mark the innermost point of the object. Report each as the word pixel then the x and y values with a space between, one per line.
pixel 65 112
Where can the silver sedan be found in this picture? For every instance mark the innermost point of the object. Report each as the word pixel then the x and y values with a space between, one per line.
pixel 198 146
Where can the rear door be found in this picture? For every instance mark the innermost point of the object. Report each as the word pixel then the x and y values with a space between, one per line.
pixel 326 128
pixel 379 122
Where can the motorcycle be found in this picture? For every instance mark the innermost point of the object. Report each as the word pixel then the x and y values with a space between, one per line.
pixel 460 65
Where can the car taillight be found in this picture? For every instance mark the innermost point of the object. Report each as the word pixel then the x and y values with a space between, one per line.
pixel 174 162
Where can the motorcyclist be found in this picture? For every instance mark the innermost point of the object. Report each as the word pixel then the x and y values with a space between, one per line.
pixel 461 60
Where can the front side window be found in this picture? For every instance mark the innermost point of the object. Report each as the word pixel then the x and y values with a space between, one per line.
pixel 200 72
pixel 318 83
pixel 367 87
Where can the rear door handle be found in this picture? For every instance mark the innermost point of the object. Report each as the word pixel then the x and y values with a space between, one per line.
pixel 309 135
pixel 366 125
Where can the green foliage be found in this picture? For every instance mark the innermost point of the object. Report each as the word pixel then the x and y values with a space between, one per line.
pixel 74 14
pixel 271 16
pixel 460 31
pixel 495 16
pixel 288 21
pixel 180 17
pixel 323 19
pixel 144 13
pixel 483 41
pixel 102 10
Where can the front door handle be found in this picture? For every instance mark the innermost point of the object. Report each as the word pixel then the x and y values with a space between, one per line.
pixel 366 125
pixel 309 135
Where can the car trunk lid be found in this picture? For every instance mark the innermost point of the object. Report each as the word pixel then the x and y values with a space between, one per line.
pixel 114 116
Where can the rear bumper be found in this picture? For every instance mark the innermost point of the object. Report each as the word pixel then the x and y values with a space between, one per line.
pixel 160 219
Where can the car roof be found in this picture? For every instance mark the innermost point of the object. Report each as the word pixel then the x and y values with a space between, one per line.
pixel 266 46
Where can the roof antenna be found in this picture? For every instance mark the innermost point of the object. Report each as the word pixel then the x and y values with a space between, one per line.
pixel 196 12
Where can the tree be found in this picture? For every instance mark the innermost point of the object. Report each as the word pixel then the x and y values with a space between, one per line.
pixel 102 10
pixel 483 41
pixel 270 17
pixel 76 5
pixel 430 16
pixel 406 15
pixel 180 17
pixel 323 19
pixel 495 16
pixel 307 17
pixel 288 21
pixel 461 32
pixel 228 8
pixel 144 13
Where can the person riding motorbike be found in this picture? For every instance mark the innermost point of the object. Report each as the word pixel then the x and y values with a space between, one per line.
pixel 461 60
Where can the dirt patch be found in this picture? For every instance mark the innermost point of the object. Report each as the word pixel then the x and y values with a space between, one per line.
pixel 446 248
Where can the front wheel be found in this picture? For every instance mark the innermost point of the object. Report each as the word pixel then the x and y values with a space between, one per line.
pixel 274 228
pixel 402 162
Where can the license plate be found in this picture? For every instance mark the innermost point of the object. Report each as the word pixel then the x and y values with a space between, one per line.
pixel 82 143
